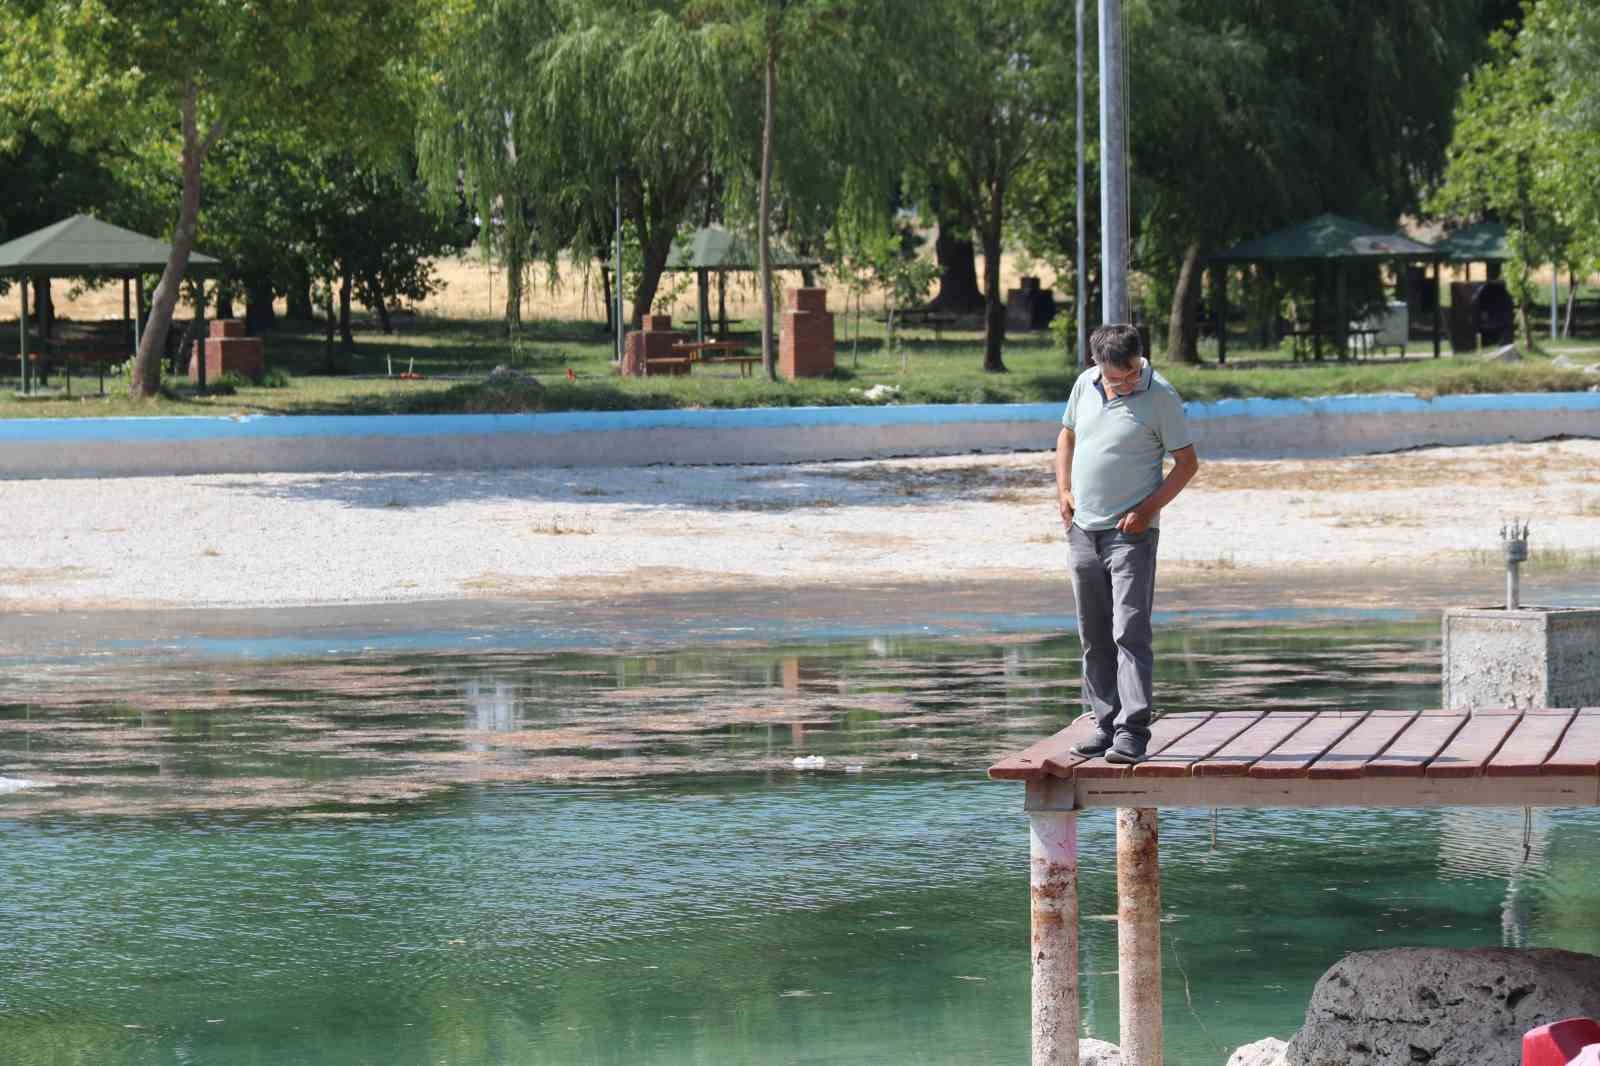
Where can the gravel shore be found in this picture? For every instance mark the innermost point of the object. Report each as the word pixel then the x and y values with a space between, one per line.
pixel 292 539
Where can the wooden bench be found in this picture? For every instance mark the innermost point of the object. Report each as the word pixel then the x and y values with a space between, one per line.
pixel 668 364
pixel 67 355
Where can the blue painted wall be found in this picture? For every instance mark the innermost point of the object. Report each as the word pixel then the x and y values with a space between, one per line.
pixel 69 430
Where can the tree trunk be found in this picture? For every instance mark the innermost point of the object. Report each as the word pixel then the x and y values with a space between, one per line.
pixel 769 360
pixel 958 275
pixel 328 364
pixel 298 304
pixel 514 293
pixel 644 295
pixel 1572 299
pixel 381 306
pixel 259 316
pixel 224 301
pixel 44 308
pixel 1183 326
pixel 347 339
pixel 994 317
pixel 605 286
pixel 145 379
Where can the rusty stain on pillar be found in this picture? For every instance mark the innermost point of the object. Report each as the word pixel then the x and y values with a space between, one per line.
pixel 1053 889
pixel 1139 936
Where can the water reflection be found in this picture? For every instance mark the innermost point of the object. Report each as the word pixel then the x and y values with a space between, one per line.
pixel 376 729
pixel 561 858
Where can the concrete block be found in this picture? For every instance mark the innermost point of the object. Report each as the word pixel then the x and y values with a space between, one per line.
pixel 1529 658
pixel 227 327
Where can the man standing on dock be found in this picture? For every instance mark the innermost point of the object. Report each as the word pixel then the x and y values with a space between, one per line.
pixel 1121 421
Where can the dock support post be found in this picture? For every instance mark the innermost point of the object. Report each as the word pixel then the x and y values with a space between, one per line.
pixel 1053 889
pixel 1139 936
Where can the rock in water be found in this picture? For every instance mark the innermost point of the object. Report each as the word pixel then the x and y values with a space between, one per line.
pixel 1447 1007
pixel 1092 1052
pixel 1266 1052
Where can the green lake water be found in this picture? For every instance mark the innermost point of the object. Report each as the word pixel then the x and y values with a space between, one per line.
pixel 555 857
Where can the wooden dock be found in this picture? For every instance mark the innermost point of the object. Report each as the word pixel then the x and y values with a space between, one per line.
pixel 1298 758
pixel 1543 758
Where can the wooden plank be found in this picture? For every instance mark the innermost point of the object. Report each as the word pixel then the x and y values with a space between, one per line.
pixel 1294 756
pixel 1176 759
pixel 1029 763
pixel 1530 744
pixel 1236 758
pixel 1579 751
pixel 1164 732
pixel 1078 793
pixel 1422 741
pixel 1361 745
pixel 1472 748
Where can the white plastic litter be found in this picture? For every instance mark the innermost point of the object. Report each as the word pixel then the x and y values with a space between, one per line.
pixel 810 762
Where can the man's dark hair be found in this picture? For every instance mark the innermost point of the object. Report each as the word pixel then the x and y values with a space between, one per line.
pixel 1118 344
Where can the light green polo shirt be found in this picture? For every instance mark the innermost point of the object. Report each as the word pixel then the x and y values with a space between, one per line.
pixel 1119 444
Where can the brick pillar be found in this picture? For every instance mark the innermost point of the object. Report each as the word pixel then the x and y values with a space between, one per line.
pixel 654 341
pixel 228 348
pixel 805 345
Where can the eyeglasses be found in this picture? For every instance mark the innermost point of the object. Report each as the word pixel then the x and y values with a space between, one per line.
pixel 1116 380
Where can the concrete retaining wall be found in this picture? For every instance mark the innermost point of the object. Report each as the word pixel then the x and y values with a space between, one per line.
pixel 1260 429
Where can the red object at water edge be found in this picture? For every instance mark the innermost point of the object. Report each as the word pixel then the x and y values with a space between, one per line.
pixel 570 375
pixel 1571 1040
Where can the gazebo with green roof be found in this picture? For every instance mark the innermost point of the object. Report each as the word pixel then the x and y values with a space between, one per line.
pixel 715 250
pixel 83 246
pixel 1329 241
pixel 1481 242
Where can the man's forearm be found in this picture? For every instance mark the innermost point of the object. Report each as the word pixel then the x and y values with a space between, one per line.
pixel 1182 472
pixel 1064 447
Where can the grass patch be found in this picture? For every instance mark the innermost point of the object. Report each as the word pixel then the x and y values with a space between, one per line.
pixel 571 361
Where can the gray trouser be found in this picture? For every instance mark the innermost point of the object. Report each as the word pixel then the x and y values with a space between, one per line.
pixel 1114 584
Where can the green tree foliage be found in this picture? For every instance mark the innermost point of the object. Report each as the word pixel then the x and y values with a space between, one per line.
pixel 1527 145
pixel 1249 115
pixel 538 105
pixel 129 69
pixel 820 86
pixel 990 105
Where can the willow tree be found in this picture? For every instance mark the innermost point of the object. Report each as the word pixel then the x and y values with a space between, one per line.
pixel 543 108
pixel 796 73
pixel 141 69
pixel 986 115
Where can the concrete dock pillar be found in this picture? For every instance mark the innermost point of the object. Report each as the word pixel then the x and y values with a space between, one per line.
pixel 1139 936
pixel 1053 889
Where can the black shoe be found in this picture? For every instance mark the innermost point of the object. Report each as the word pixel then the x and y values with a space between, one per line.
pixel 1095 746
pixel 1128 750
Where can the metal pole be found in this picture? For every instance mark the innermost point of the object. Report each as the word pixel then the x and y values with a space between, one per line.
pixel 1080 304
pixel 1053 890
pixel 1554 301
pixel 1113 168
pixel 1139 936
pixel 22 327
pixel 616 270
